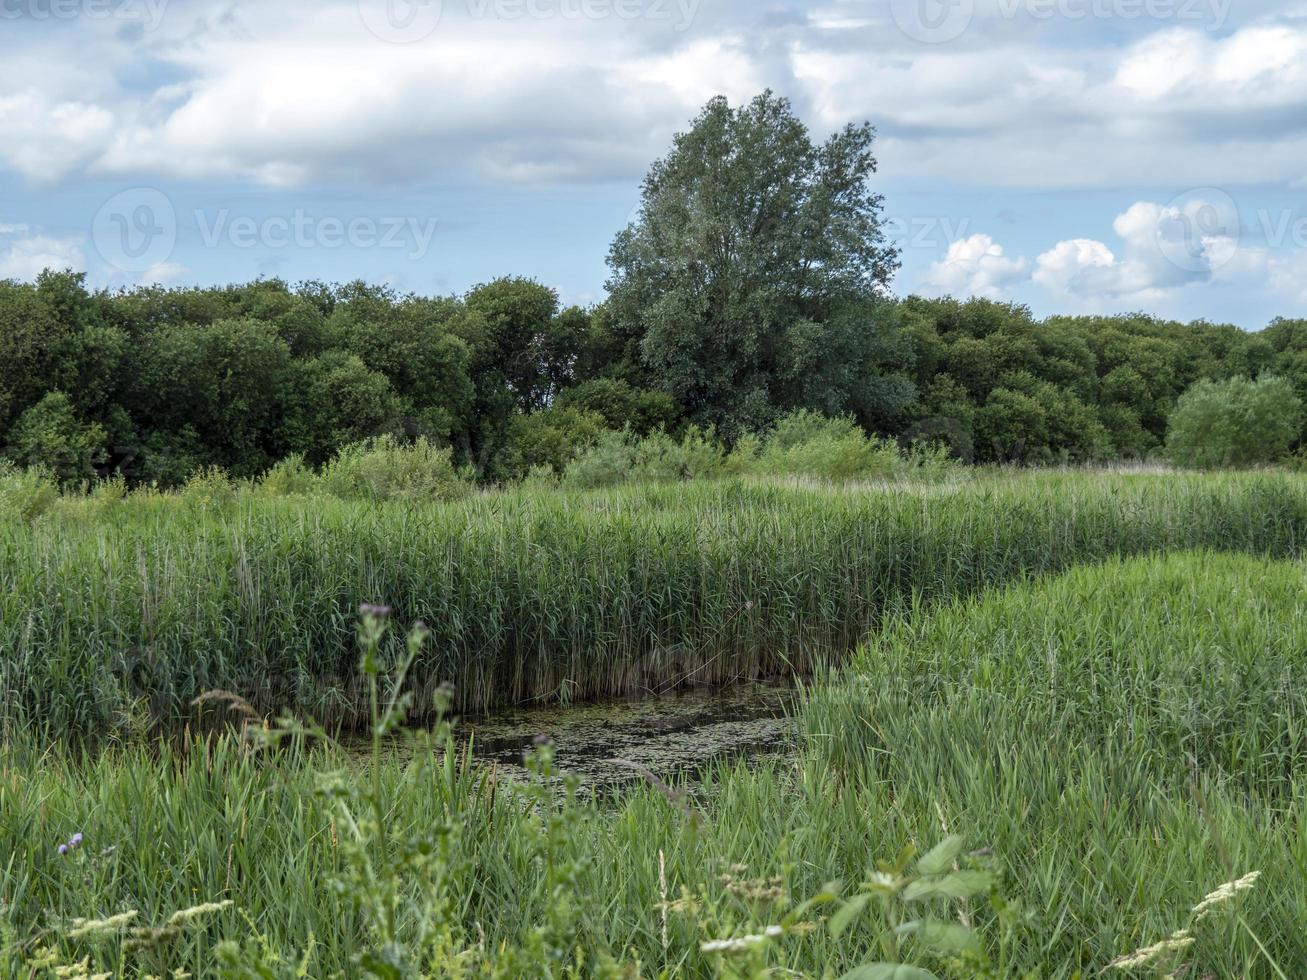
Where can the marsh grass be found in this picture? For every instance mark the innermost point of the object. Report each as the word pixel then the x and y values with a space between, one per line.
pixel 1113 744
pixel 117 611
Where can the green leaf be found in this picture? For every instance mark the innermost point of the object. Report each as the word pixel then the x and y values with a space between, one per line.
pixel 960 884
pixel 939 859
pixel 888 971
pixel 847 912
pixel 943 937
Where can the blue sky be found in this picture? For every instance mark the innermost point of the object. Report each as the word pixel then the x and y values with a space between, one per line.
pixel 1076 155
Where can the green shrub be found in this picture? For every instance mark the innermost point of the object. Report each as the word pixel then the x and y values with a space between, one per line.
pixel 610 461
pixel 697 455
pixel 1237 422
pixel 550 438
pixel 622 406
pixel 384 469
pixel 51 436
pixel 209 489
pixel 837 449
pixel 291 477
pixel 26 494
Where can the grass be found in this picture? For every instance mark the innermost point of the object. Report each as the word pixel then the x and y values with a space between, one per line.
pixel 117 611
pixel 1123 738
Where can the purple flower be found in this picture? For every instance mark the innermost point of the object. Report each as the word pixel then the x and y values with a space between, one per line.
pixel 77 840
pixel 63 848
pixel 543 740
pixel 367 609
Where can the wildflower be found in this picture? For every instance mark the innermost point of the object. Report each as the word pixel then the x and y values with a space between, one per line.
pixel 882 882
pixel 741 943
pixel 185 915
pixel 1225 893
pixel 381 612
pixel 91 927
pixel 1174 943
pixel 72 844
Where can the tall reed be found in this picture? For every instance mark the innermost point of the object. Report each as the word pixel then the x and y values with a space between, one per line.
pixel 120 618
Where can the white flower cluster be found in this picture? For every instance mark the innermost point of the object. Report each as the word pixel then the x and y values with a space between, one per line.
pixel 1226 892
pixel 741 943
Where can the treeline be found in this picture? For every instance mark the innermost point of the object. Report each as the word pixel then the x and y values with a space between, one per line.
pixel 157 384
pixel 752 287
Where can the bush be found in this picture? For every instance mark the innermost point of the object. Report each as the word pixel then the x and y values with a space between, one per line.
pixel 610 461
pixel 209 488
pixel 622 406
pixel 551 439
pixel 50 435
pixel 808 444
pixel 619 457
pixel 291 477
pixel 383 469
pixel 25 494
pixel 1237 422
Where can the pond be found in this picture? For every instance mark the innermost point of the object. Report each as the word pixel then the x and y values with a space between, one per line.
pixel 613 742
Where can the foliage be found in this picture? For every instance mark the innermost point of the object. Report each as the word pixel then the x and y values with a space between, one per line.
pixel 117 619
pixel 384 470
pixel 751 279
pixel 988 747
pixel 51 436
pixel 1236 422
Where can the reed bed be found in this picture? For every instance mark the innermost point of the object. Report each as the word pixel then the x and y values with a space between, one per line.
pixel 116 618
pixel 1122 739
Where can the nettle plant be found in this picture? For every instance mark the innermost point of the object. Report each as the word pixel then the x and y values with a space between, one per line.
pixel 921 909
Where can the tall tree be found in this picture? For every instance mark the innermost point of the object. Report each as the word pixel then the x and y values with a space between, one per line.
pixel 752 243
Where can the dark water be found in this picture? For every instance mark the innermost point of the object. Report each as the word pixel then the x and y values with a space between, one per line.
pixel 612 742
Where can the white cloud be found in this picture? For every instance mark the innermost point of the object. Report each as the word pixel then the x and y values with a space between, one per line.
pixel 1164 247
pixel 248 91
pixel 46 141
pixel 975 266
pixel 25 258
pixel 164 273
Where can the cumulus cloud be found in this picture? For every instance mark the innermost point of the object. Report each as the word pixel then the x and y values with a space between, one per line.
pixel 24 257
pixel 1163 247
pixel 975 266
pixel 1163 253
pixel 237 90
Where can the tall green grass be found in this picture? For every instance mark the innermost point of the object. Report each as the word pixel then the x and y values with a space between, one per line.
pixel 1122 739
pixel 116 612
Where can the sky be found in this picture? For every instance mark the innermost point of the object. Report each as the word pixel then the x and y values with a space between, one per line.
pixel 1077 156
